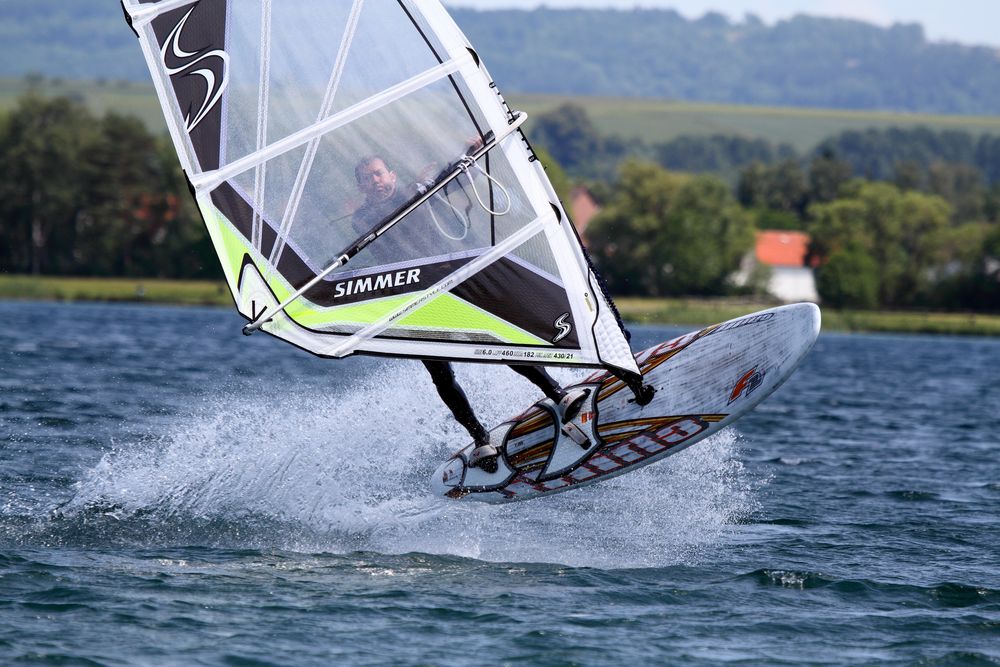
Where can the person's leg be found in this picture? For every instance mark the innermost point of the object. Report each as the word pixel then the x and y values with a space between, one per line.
pixel 643 392
pixel 568 403
pixel 541 379
pixel 453 396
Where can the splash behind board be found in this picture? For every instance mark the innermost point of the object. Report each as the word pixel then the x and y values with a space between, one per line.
pixel 704 381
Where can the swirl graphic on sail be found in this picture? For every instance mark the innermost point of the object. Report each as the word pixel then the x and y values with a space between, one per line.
pixel 215 79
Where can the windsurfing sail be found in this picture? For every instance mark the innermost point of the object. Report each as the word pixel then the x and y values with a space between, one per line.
pixel 367 188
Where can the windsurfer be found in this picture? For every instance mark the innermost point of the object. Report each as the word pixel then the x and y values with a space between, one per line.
pixel 378 182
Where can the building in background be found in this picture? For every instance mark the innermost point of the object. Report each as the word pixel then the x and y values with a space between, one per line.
pixel 582 209
pixel 784 253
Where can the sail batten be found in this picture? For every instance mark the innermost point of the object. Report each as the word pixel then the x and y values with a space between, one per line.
pixel 307 162
pixel 260 171
pixel 315 133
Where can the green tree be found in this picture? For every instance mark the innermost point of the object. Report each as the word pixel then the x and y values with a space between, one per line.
pixel 568 135
pixel 668 234
pixel 848 279
pixel 962 186
pixel 81 195
pixel 827 175
pixel 971 278
pixel 122 174
pixel 718 153
pixel 43 144
pixel 895 229
pixel 909 175
pixel 780 187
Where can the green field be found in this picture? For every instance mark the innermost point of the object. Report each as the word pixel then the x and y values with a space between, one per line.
pixel 128 98
pixel 660 120
pixel 651 120
pixel 686 312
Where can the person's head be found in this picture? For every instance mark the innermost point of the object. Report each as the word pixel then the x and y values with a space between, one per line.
pixel 375 179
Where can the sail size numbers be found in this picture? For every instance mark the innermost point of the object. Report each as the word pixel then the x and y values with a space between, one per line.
pixel 525 354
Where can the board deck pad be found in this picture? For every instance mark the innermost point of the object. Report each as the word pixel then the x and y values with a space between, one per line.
pixel 704 381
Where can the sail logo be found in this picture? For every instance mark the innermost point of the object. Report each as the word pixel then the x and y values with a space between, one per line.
pixel 376 283
pixel 211 65
pixel 563 326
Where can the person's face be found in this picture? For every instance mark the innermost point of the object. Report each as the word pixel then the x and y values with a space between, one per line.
pixel 377 182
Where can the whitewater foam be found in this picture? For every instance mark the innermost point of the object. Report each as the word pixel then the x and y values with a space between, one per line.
pixel 321 469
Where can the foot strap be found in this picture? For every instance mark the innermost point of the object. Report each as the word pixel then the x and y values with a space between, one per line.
pixel 484 457
pixel 571 403
pixel 576 434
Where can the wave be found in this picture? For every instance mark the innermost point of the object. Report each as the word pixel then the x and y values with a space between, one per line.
pixel 940 595
pixel 346 469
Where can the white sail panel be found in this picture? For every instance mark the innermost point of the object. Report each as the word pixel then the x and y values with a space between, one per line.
pixel 308 128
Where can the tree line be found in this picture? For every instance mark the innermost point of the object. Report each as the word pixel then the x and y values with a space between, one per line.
pixel 94 196
pixel 897 218
pixel 655 53
pixel 101 196
pixel 874 244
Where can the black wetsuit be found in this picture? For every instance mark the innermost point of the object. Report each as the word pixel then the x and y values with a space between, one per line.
pixel 441 371
pixel 454 397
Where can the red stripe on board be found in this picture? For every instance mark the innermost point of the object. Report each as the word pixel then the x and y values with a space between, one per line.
pixel 620 461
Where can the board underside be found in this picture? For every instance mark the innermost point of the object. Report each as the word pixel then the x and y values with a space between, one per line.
pixel 704 381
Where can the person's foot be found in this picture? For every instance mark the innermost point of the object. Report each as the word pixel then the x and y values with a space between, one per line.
pixel 485 458
pixel 644 395
pixel 570 404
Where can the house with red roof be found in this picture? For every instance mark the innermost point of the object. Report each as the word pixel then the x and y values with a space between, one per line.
pixel 784 253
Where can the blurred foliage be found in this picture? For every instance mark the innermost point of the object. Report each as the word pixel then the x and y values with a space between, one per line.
pixel 659 53
pixel 645 53
pixel 81 195
pixel 87 195
pixel 568 134
pixel 906 246
pixel 665 234
pixel 848 279
pixel 560 181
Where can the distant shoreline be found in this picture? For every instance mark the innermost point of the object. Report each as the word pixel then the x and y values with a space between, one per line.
pixel 640 310
pixel 129 290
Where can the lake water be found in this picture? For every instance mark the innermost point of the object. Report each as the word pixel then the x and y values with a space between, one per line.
pixel 173 493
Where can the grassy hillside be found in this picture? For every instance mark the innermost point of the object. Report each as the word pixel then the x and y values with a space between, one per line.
pixel 651 120
pixel 658 120
pixel 137 99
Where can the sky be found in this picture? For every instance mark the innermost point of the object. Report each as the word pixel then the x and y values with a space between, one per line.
pixel 966 21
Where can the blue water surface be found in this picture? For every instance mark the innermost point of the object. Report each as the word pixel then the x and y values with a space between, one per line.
pixel 172 493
